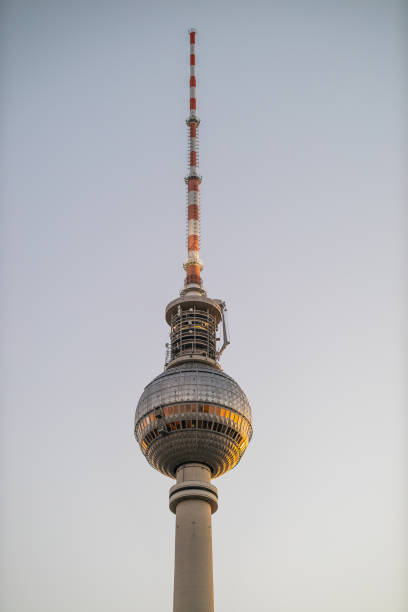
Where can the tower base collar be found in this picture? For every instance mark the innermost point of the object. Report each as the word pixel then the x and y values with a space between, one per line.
pixel 193 482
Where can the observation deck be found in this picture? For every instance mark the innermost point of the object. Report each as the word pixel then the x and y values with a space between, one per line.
pixel 193 412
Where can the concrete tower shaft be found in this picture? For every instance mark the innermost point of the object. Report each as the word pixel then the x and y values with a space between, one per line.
pixel 193 499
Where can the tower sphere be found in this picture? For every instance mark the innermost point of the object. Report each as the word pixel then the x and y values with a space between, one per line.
pixel 193 412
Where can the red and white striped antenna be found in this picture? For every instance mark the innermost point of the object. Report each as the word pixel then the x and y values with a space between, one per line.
pixel 193 265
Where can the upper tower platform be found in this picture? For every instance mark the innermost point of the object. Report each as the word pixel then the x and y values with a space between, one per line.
pixel 193 321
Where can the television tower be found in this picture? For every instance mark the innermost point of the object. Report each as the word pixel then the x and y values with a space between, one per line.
pixel 193 421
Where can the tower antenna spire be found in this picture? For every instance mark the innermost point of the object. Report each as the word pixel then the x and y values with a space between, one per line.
pixel 193 264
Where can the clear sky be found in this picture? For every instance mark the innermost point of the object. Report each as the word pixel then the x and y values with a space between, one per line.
pixel 302 109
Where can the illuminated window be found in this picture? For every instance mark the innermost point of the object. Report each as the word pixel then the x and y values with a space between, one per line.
pixel 227 414
pixel 166 411
pixel 217 410
pixel 176 409
pixel 223 412
pixel 236 418
pixel 211 409
pixel 193 407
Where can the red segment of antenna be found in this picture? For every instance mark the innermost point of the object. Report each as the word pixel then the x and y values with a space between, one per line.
pixel 193 184
pixel 193 212
pixel 193 275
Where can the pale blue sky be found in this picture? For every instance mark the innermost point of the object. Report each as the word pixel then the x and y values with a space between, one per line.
pixel 302 109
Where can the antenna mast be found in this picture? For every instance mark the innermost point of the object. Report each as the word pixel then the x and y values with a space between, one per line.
pixel 193 265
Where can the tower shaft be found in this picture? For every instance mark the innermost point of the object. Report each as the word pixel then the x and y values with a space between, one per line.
pixel 193 499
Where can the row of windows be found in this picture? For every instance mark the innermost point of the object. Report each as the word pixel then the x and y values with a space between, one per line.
pixel 203 327
pixel 198 323
pixel 195 348
pixel 193 345
pixel 190 343
pixel 190 395
pixel 197 424
pixel 193 333
pixel 190 340
pixel 180 409
pixel 193 313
